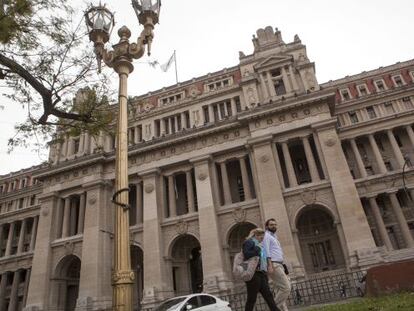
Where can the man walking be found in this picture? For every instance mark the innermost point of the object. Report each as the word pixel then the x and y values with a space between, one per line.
pixel 276 271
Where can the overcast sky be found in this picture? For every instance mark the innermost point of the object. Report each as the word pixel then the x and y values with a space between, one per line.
pixel 342 38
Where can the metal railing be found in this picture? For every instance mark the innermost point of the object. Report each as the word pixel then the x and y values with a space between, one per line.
pixel 333 287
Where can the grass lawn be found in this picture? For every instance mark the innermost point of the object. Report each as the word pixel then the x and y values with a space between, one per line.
pixel 400 302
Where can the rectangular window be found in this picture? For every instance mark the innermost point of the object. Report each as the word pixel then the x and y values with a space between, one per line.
pixel 398 81
pixel 345 95
pixel 362 90
pixel 21 200
pixel 371 112
pixel 408 102
pixel 380 85
pixel 389 108
pixel 275 73
pixel 353 116
pixel 206 115
pixel 238 105
pixel 280 88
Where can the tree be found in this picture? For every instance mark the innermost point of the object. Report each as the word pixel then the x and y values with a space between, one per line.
pixel 45 57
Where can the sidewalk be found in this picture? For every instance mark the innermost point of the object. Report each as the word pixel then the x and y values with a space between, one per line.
pixel 310 307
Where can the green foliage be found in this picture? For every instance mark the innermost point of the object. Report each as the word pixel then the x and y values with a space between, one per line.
pixel 45 58
pixel 400 302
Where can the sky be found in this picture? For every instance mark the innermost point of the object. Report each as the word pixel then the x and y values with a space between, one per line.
pixel 342 38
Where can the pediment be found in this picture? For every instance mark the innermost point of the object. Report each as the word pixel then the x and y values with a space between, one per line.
pixel 274 60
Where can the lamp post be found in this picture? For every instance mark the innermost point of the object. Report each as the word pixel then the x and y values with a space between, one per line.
pixel 100 21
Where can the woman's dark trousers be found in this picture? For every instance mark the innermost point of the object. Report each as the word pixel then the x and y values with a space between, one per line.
pixel 259 284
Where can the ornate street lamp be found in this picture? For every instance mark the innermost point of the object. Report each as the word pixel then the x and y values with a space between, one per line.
pixel 100 22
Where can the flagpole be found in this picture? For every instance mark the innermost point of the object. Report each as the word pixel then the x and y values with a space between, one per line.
pixel 176 74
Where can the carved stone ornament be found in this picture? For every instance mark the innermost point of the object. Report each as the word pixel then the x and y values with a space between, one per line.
pixel 69 248
pixel 149 188
pixel 202 176
pixel 264 158
pixel 239 215
pixel 181 227
pixel 330 141
pixel 194 92
pixel 308 197
pixel 123 276
pixel 45 211
pixel 92 199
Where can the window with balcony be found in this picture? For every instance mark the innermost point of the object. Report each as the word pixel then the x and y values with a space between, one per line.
pixel 371 112
pixel 354 117
pixel 389 108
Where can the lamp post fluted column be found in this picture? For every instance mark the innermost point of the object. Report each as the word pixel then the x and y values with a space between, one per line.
pixel 123 276
pixel 100 22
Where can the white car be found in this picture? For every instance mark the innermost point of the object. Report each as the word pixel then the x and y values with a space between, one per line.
pixel 199 302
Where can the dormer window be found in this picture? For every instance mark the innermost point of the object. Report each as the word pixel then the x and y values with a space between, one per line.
pixel 171 99
pixel 362 90
pixel 217 85
pixel 398 81
pixel 345 94
pixel 380 85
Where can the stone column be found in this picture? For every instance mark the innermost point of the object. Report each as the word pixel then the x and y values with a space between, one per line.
pixel 71 146
pixel 59 218
pixel 170 120
pixel 245 179
pixel 95 290
pixel 221 117
pixel 396 149
pixel 34 233
pixel 278 166
pixel 289 166
pixel 40 285
pixel 320 156
pixel 348 204
pixel 270 196
pixel 87 143
pixel 297 246
pixel 410 134
pixel 3 285
pixel 360 163
pixel 162 127
pixel 286 80
pixel 26 286
pixel 233 106
pixel 66 218
pixel 190 191
pixel 10 239
pixel 377 154
pixel 215 276
pixel 211 113
pixel 226 184
pixel 140 208
pixel 171 196
pixel 81 219
pixel 136 134
pixel 310 160
pixel 81 143
pixel 270 84
pixel 14 289
pixel 183 121
pixel 176 123
pixel 293 77
pixel 1 236
pixel 380 223
pixel 402 222
pixel 21 236
pixel 65 147
pixel 156 285
pixel 263 85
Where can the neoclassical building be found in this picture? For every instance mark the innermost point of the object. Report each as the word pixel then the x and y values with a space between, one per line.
pixel 210 159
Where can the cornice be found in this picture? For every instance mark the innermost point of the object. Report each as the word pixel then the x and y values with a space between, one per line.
pixel 367 74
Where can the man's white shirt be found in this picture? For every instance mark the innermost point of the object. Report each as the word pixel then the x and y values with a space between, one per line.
pixel 272 247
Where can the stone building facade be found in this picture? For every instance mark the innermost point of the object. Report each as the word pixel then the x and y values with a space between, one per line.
pixel 210 159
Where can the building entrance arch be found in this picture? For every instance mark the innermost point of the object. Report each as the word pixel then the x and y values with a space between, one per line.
pixel 137 265
pixel 186 263
pixel 319 240
pixel 65 288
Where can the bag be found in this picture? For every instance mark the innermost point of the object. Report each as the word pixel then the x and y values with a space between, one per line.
pixel 286 269
pixel 244 269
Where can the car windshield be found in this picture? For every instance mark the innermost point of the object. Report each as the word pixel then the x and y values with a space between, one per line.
pixel 170 304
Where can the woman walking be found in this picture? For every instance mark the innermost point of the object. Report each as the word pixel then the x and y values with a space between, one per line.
pixel 259 282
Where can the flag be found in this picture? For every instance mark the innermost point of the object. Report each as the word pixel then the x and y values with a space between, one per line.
pixel 167 65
